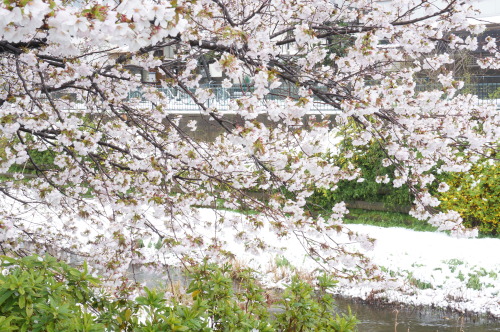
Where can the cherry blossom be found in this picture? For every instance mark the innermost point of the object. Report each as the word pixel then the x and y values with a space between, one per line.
pixel 123 171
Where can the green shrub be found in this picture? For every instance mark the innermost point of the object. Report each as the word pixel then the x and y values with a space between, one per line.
pixel 369 159
pixel 476 196
pixel 494 94
pixel 305 310
pixel 300 309
pixel 213 286
pixel 42 294
pixel 41 159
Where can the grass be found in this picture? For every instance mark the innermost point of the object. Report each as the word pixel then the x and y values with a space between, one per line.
pixel 453 263
pixel 394 219
pixel 370 217
pixel 474 282
pixel 387 219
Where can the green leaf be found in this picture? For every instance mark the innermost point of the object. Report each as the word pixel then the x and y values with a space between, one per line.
pixel 22 301
pixel 7 261
pixel 79 295
pixel 29 310
pixel 5 296
pixel 128 313
pixel 74 272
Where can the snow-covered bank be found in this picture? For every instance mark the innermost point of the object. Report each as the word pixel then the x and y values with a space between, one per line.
pixel 417 268
pixel 433 269
pixel 420 268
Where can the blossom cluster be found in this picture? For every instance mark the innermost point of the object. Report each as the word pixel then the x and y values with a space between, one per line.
pixel 123 175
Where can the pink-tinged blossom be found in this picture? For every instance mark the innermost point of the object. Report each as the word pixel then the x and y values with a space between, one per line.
pixel 443 187
pixel 71 82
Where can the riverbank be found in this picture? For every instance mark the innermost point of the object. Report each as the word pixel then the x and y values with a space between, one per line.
pixel 417 268
pixel 432 269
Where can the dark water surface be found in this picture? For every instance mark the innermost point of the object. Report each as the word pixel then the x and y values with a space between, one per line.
pixel 382 318
pixel 379 318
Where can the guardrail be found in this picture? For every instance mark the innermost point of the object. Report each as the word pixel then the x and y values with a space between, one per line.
pixel 224 99
pixel 487 92
pixel 179 100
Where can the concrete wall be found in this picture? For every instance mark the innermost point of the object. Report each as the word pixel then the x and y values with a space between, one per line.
pixel 208 129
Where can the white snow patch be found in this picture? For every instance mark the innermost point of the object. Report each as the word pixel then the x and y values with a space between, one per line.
pixel 433 269
pixel 419 268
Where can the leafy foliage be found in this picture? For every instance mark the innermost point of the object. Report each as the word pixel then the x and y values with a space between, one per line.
pixel 43 294
pixel 213 287
pixel 369 159
pixel 38 159
pixel 300 309
pixel 303 310
pixel 476 196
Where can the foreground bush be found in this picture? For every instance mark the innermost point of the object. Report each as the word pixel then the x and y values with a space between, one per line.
pixel 42 294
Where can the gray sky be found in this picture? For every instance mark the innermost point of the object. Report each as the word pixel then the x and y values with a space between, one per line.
pixel 489 8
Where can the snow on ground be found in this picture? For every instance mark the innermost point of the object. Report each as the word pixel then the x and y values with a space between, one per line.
pixel 422 268
pixel 435 269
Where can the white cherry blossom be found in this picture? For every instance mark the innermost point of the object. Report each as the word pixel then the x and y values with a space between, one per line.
pixel 72 85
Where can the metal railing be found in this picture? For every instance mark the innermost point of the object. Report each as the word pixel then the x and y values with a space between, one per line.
pixel 223 98
pixel 487 92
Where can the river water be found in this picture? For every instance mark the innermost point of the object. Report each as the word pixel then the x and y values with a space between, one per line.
pixel 382 318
